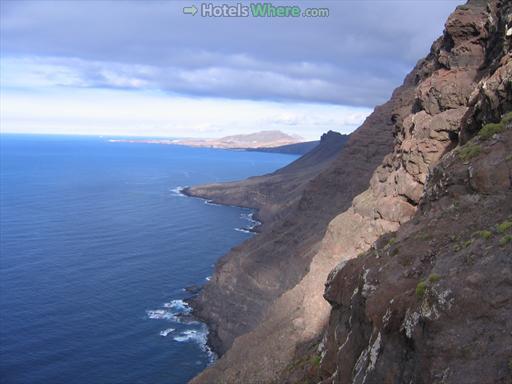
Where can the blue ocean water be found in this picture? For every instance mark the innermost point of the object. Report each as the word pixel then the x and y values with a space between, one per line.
pixel 96 246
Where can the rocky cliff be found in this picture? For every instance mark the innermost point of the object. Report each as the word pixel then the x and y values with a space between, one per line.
pixel 432 302
pixel 274 193
pixel 396 311
pixel 250 277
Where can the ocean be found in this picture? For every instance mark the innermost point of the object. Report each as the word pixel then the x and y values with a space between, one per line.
pixel 96 248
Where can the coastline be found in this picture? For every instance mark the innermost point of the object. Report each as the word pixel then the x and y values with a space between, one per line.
pixel 213 342
pixel 253 216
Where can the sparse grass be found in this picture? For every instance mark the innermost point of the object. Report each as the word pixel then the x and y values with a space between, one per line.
pixel 434 278
pixel 467 243
pixel 505 226
pixel 485 234
pixel 505 240
pixel 508 158
pixel 421 288
pixel 507 118
pixel 489 130
pixel 469 151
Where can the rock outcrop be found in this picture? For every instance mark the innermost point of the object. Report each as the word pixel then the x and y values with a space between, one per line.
pixel 432 302
pixel 386 304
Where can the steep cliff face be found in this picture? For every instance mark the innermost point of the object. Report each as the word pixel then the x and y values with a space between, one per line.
pixel 432 303
pixel 274 193
pixel 463 82
pixel 250 277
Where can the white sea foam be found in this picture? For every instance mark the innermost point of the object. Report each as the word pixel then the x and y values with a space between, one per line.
pixel 198 336
pixel 243 230
pixel 176 311
pixel 253 223
pixel 178 191
pixel 208 278
pixel 179 311
pixel 161 314
pixel 165 332
pixel 179 306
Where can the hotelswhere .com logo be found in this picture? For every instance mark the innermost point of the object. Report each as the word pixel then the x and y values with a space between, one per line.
pixel 253 10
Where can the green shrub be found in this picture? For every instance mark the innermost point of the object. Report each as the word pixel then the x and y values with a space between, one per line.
pixel 506 118
pixel 505 226
pixel 434 278
pixel 505 240
pixel 484 234
pixel 489 130
pixel 469 151
pixel 421 288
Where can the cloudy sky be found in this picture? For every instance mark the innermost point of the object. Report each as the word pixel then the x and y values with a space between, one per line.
pixel 144 68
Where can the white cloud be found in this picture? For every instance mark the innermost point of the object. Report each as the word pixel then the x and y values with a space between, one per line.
pixel 129 113
pixel 356 56
pixel 144 68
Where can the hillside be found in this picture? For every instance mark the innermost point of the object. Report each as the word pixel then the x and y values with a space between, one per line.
pixel 292 149
pixel 262 139
pixel 409 226
pixel 272 194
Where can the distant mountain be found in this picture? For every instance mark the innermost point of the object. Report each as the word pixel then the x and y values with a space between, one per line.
pixel 262 139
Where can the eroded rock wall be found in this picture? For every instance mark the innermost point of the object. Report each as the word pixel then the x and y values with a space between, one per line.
pixel 432 302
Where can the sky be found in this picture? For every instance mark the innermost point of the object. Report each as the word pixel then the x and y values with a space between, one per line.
pixel 144 68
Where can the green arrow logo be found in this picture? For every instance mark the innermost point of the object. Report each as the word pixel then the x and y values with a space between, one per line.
pixel 190 10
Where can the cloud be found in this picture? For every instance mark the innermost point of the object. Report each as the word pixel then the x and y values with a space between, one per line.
pixel 356 56
pixel 126 113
